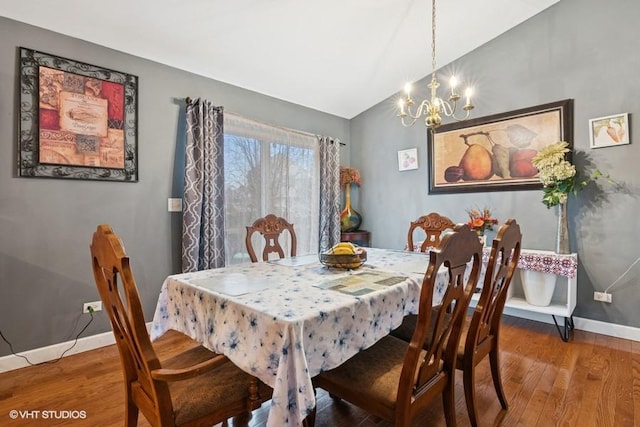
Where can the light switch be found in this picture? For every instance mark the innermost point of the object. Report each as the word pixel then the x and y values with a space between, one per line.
pixel 174 205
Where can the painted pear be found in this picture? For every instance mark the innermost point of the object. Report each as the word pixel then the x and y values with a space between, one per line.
pixel 520 164
pixel 477 163
pixel 501 161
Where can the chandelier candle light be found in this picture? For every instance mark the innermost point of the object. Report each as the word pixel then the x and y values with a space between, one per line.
pixel 434 108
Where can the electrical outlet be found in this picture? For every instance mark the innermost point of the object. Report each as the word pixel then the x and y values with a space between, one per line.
pixel 602 297
pixel 95 305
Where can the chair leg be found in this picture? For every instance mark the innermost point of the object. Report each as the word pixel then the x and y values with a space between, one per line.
pixel 470 393
pixel 132 415
pixel 449 403
pixel 310 421
pixel 242 419
pixel 494 359
pixel 254 396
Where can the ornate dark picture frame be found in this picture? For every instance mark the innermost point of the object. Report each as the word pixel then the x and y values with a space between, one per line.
pixel 493 153
pixel 77 121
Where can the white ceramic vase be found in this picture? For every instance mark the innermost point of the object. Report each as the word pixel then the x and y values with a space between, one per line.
pixel 538 287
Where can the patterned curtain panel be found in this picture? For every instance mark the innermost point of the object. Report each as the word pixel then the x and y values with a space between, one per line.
pixel 203 206
pixel 329 192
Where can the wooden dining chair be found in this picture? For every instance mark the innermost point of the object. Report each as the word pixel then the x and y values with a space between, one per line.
pixel 271 227
pixel 480 336
pixel 395 379
pixel 194 388
pixel 433 224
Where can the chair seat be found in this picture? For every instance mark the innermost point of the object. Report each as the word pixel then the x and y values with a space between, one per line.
pixel 372 374
pixel 219 388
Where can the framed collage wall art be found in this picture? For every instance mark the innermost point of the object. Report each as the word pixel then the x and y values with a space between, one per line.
pixel 77 121
pixel 494 153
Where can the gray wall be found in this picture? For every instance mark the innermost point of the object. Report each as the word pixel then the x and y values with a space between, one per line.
pixel 586 50
pixel 580 49
pixel 46 224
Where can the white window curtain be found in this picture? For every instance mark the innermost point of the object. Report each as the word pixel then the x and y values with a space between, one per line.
pixel 269 170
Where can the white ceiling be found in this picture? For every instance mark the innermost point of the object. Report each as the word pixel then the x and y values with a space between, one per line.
pixel 336 56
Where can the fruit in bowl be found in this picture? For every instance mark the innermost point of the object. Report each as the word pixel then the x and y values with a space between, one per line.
pixel 344 255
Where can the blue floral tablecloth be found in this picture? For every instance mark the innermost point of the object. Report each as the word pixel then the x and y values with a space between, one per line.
pixel 276 321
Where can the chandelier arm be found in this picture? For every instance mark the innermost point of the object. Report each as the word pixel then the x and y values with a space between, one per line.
pixel 447 109
pixel 459 119
pixel 411 123
pixel 420 110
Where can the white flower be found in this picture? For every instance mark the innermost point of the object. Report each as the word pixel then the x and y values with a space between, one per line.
pixel 557 172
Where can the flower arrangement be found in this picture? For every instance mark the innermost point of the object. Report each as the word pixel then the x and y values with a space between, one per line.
pixel 349 176
pixel 557 175
pixel 480 220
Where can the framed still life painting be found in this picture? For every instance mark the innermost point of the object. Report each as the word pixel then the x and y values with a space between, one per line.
pixel 494 153
pixel 77 121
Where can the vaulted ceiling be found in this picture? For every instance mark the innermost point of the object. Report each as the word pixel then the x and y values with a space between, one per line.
pixel 336 56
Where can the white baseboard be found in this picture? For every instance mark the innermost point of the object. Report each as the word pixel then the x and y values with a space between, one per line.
pixel 605 328
pixel 52 352
pixel 588 325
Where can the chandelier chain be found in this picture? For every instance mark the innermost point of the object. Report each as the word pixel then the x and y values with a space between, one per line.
pixel 433 39
pixel 434 107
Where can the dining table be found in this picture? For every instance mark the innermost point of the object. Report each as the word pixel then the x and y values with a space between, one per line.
pixel 285 321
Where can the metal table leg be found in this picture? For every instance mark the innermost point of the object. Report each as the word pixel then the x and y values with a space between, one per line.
pixel 568 326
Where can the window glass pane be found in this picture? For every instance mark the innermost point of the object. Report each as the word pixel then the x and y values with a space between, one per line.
pixel 269 170
pixel 243 188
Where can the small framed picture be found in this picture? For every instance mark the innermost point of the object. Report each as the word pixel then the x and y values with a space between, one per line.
pixel 609 131
pixel 408 159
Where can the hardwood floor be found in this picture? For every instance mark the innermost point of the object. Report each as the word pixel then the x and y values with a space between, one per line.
pixel 593 380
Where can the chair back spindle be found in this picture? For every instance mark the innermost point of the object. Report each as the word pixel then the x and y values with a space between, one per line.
pixel 271 227
pixel 433 224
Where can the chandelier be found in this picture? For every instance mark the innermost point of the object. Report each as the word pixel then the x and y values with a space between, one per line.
pixel 434 108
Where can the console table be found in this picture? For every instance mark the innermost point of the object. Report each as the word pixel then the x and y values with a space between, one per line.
pixel 360 237
pixel 564 300
pixel 565 266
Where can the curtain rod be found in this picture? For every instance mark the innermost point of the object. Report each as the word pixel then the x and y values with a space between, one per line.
pixel 189 101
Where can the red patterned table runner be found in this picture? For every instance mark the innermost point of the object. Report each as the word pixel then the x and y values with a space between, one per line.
pixel 537 260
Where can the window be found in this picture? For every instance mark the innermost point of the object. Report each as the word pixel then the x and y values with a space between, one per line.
pixel 269 170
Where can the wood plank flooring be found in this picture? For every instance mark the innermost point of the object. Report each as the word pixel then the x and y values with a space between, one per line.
pixel 593 380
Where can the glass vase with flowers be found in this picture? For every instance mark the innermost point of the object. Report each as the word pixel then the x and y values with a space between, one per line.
pixel 560 178
pixel 481 220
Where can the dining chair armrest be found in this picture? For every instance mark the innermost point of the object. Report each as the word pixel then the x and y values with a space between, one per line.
pixel 178 374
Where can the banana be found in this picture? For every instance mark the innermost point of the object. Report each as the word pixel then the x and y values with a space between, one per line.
pixel 343 248
pixel 343 251
pixel 345 245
